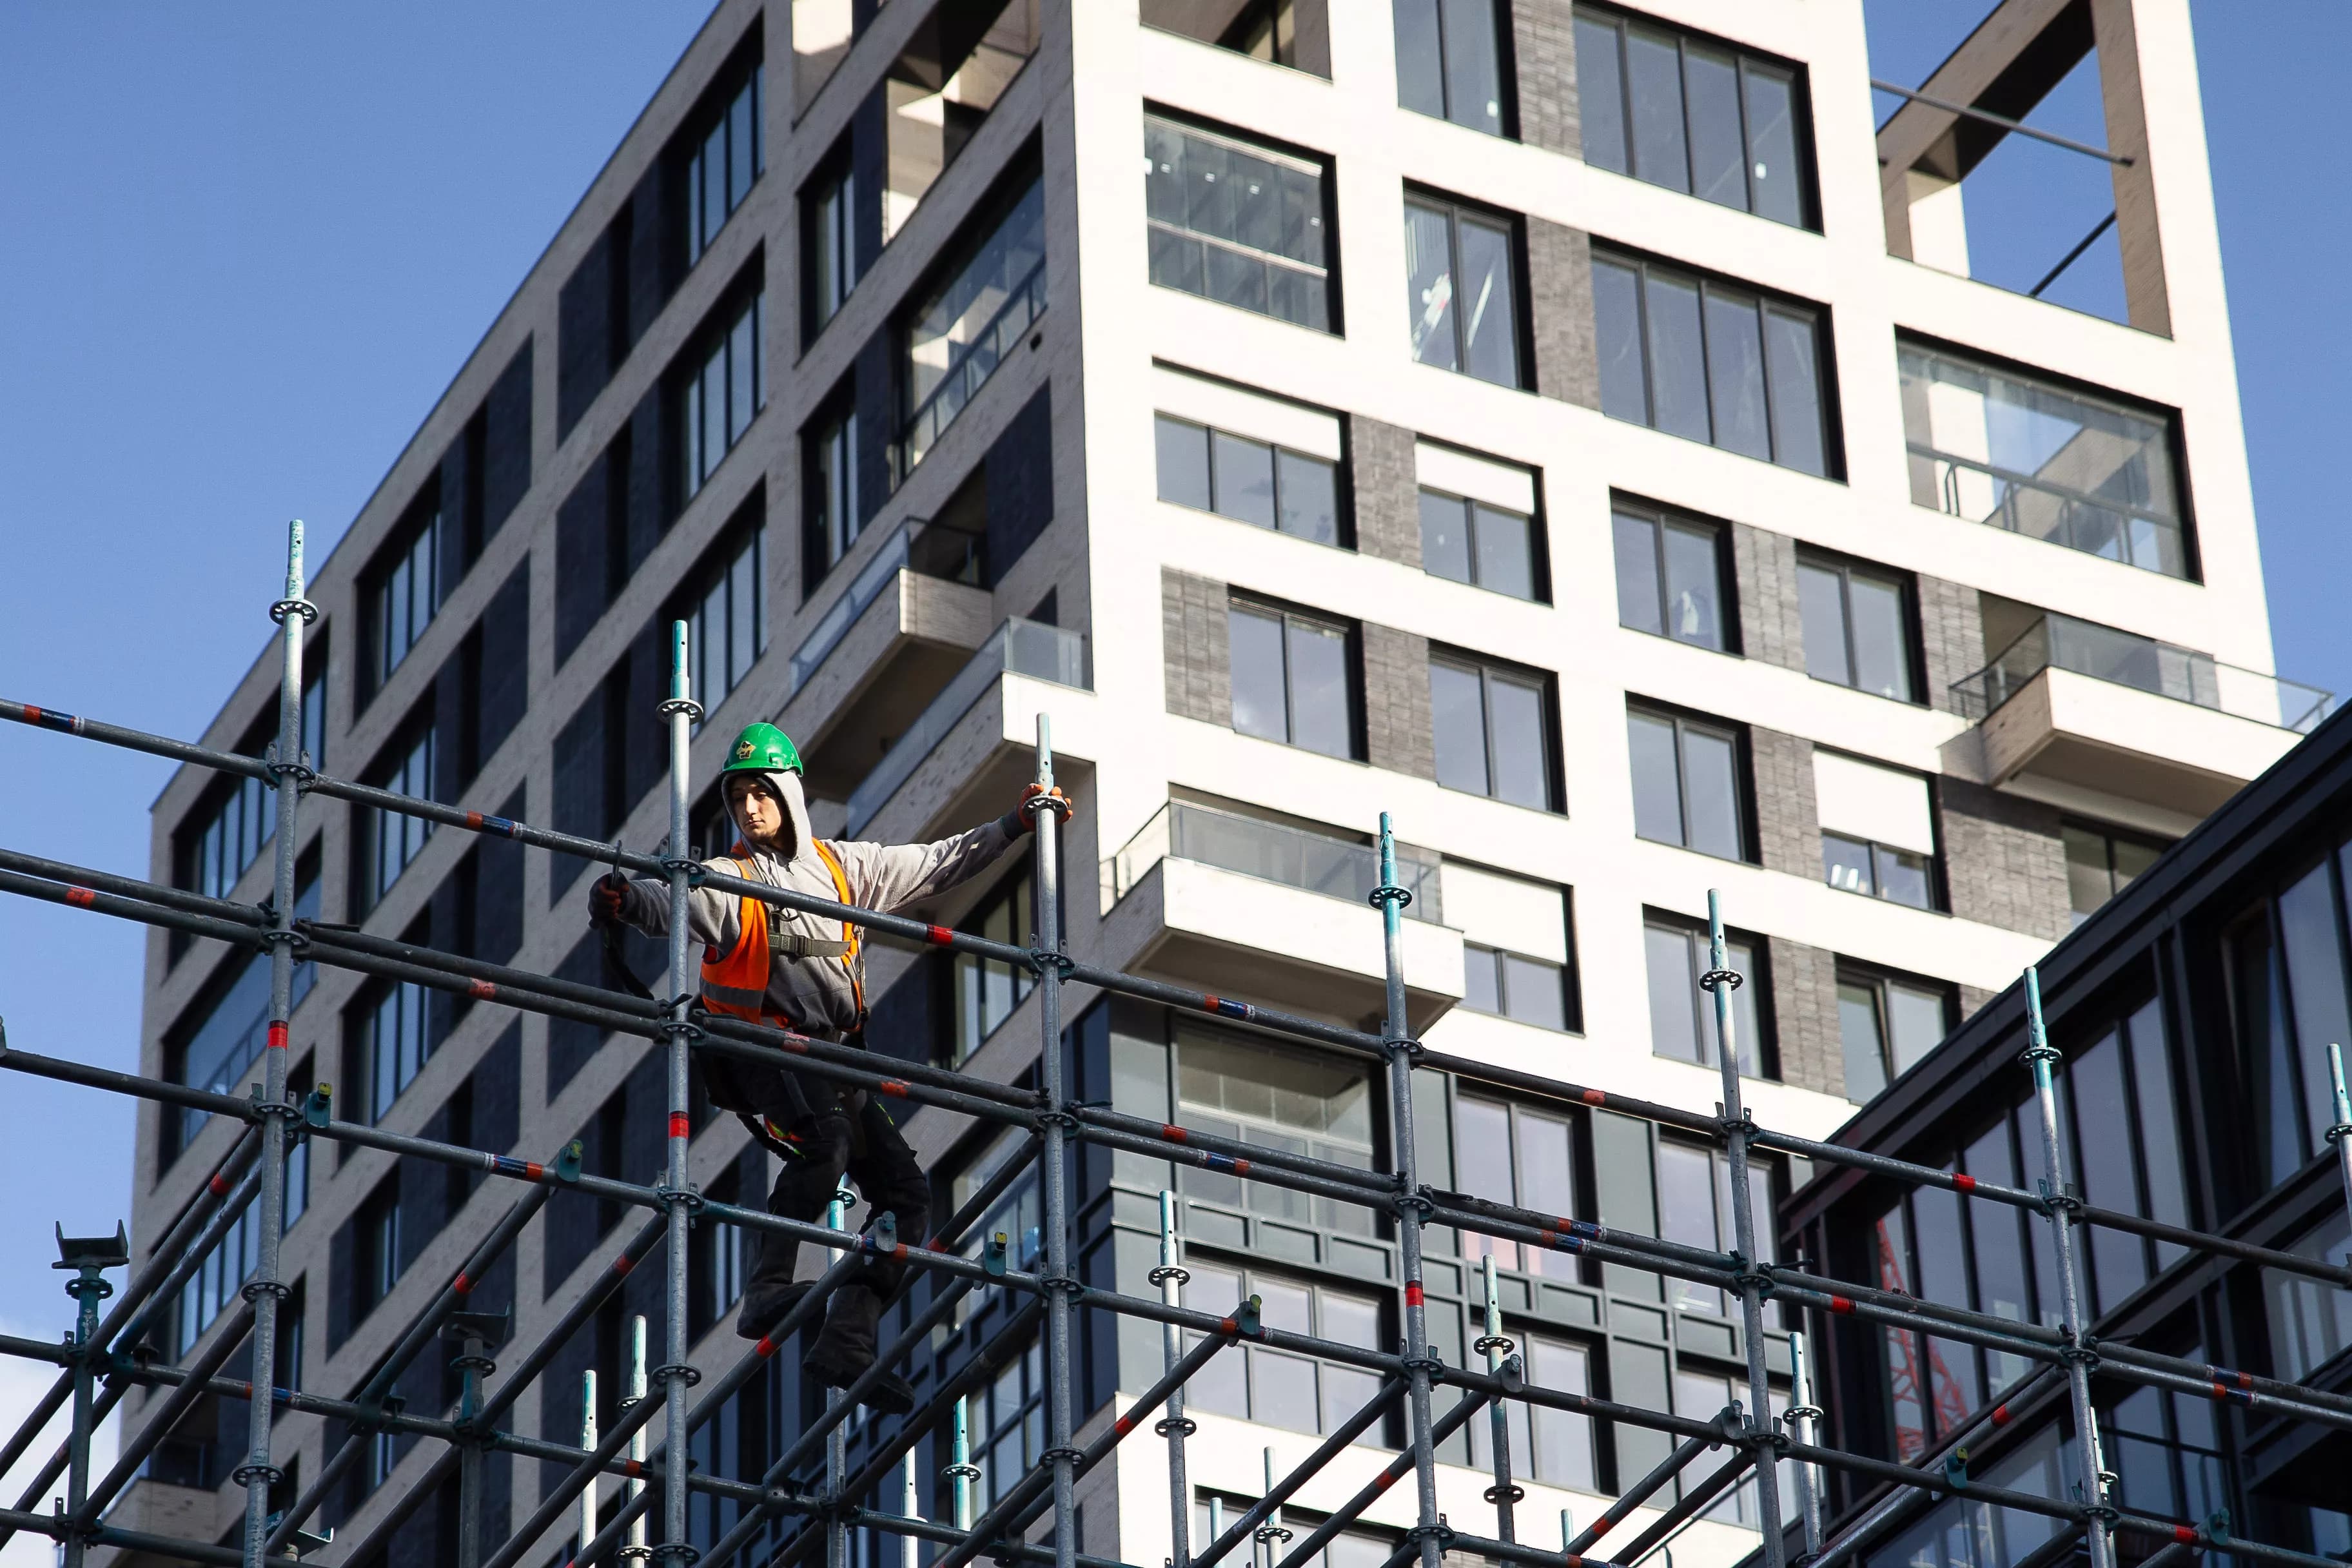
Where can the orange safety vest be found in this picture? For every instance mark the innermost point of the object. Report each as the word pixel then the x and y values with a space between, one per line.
pixel 737 983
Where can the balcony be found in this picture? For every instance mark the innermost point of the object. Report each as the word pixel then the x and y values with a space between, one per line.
pixel 894 639
pixel 982 725
pixel 2079 704
pixel 1247 908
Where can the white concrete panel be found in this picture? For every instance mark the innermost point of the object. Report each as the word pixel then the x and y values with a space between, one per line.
pixel 1886 806
pixel 1240 413
pixel 1448 468
pixel 1509 912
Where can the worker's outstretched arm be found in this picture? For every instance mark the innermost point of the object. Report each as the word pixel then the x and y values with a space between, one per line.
pixel 888 877
pixel 713 918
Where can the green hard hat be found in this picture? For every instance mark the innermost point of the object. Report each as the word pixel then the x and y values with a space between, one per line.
pixel 762 749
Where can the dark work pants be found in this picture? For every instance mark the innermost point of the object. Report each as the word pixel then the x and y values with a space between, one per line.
pixel 868 1147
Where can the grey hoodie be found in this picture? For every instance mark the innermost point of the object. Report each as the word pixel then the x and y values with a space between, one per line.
pixel 814 992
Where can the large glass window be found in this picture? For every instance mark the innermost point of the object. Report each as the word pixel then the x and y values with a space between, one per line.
pixel 1682 1016
pixel 392 838
pixel 1691 115
pixel 1695 1208
pixel 1478 542
pixel 218 845
pixel 1258 1384
pixel 1514 986
pixel 1492 728
pixel 396 1038
pixel 1932 1383
pixel 959 335
pixel 1710 361
pixel 1686 783
pixel 726 391
pixel 1521 1156
pixel 1551 1446
pixel 1249 480
pixel 2126 1150
pixel 1877 871
pixel 1007 1418
pixel 231 1262
pixel 1238 223
pixel 228 1030
pixel 2310 1323
pixel 720 173
pixel 1309 1105
pixel 1293 679
pixel 2101 862
pixel 406 598
pixel 2286 973
pixel 2036 458
pixel 829 455
pixel 829 241
pixel 726 627
pixel 1462 290
pixel 1671 577
pixel 1857 621
pixel 987 990
pixel 1449 62
pixel 1886 1024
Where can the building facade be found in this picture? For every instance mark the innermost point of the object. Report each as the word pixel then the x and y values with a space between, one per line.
pixel 2194 1013
pixel 1570 428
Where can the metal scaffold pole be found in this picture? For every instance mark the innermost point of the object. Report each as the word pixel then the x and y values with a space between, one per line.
pixel 2340 1134
pixel 1720 981
pixel 1496 1348
pixel 1171 1276
pixel 2058 1202
pixel 1803 1417
pixel 1411 1205
pixel 677 1372
pixel 1046 809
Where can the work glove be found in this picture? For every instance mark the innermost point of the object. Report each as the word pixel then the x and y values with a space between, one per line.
pixel 605 900
pixel 1018 821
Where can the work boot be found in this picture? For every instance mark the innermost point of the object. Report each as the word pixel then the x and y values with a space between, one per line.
pixel 764 1307
pixel 844 1346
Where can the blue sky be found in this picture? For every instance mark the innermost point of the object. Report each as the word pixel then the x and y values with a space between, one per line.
pixel 242 250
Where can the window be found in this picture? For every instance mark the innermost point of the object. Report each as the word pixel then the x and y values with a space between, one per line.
pixel 2036 458
pixel 971 323
pixel 396 1034
pixel 1682 1016
pixel 1316 1105
pixel 834 517
pixel 1711 362
pixel 1695 1208
pixel 1693 116
pixel 719 174
pixel 1471 542
pixel 1018 1213
pixel 1515 1155
pixel 1518 951
pixel 829 241
pixel 392 838
pixel 1886 1025
pixel 2310 1323
pixel 2165 1448
pixel 1492 728
pixel 1238 222
pixel 1462 290
pixel 727 623
pixel 1702 1394
pixel 1878 832
pixel 405 599
pixel 1007 1418
pixel 231 1262
pixel 1547 1445
pixel 1513 986
pixel 376 1252
pixel 1857 624
pixel 986 989
pixel 1294 679
pixel 726 1252
pixel 229 1028
pixel 1257 1384
pixel 725 393
pixel 1257 482
pixel 2287 985
pixel 1449 62
pixel 1671 577
pixel 1686 783
pixel 1293 32
pixel 2101 862
pixel 219 844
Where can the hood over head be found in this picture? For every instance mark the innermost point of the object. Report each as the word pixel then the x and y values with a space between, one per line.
pixel 796 836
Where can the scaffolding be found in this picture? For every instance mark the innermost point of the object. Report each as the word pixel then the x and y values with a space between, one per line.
pixel 100 1360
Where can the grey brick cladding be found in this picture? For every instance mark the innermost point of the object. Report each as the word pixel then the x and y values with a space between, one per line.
pixel 1560 275
pixel 1193 640
pixel 1973 999
pixel 1951 637
pixel 1805 1017
pixel 1764 564
pixel 1396 702
pixel 2003 859
pixel 1543 43
pixel 1788 820
pixel 1382 473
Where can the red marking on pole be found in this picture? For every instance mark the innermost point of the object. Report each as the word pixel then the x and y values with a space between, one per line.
pixel 474 820
pixel 1227 1326
pixel 460 1285
pixel 1965 1184
pixel 765 1348
pixel 2184 1534
pixel 1123 1426
pixel 633 1468
pixel 219 1185
pixel 680 1126
pixel 482 991
pixel 1594 1097
pixel 1840 1304
pixel 533 1170
pixel 2001 1414
pixel 32 714
pixel 1412 1294
pixel 1212 1003
pixel 940 934
pixel 80 898
pixel 277 1037
pixel 1174 1134
pixel 623 1264
pixel 1387 1479
pixel 1241 1167
pixel 896 1088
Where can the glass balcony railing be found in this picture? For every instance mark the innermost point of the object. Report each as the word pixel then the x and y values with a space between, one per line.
pixel 2143 664
pixel 918 546
pixel 1271 852
pixel 2023 503
pixel 1016 648
pixel 975 363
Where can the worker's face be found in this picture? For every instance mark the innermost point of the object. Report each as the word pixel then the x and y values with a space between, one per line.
pixel 756 810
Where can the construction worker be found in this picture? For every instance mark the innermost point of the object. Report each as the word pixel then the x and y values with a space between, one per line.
pixel 801 971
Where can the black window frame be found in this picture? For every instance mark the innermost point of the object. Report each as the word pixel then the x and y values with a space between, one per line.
pixel 1514 226
pixel 1756 984
pixel 745 301
pixel 426 522
pixel 744 535
pixel 1846 569
pixel 1351 640
pixel 1342 510
pixel 1743 792
pixel 1014 896
pixel 1657 519
pixel 418 732
pixel 1506 72
pixel 1253 144
pixel 1877 978
pixel 828 248
pixel 1874 856
pixel 1546 684
pixel 1538 541
pixel 832 429
pixel 2109 836
pixel 741 88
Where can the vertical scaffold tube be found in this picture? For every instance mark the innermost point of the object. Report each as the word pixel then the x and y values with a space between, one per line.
pixel 1497 1349
pixel 2059 1204
pixel 836 1438
pixel 1802 1415
pixel 588 1446
pixel 2341 1134
pixel 637 1391
pixel 1412 1206
pixel 1171 1277
pixel 1719 981
pixel 910 1507
pixel 1046 810
pixel 264 1289
pixel 960 1470
pixel 681 710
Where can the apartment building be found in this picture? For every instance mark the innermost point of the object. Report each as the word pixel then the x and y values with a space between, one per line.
pixel 1571 428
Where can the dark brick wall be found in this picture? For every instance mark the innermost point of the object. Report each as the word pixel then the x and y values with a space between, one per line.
pixel 2003 859
pixel 585 351
pixel 1396 702
pixel 1018 476
pixel 1381 475
pixel 585 556
pixel 1195 641
pixel 1805 1017
pixel 1765 565
pixel 503 682
pixel 1543 42
pixel 506 443
pixel 1951 637
pixel 1788 820
pixel 650 497
pixel 1560 276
